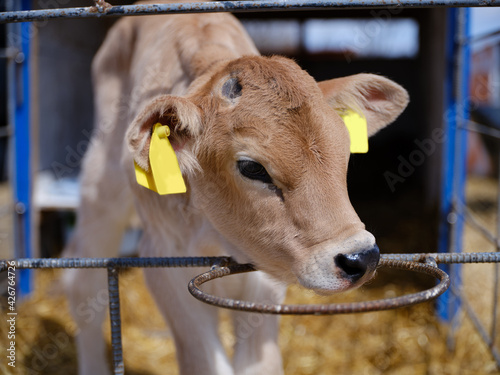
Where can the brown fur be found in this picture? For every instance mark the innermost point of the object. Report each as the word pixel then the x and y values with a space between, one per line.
pixel 172 69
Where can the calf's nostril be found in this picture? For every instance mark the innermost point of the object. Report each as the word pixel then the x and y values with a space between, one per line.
pixel 355 265
pixel 351 265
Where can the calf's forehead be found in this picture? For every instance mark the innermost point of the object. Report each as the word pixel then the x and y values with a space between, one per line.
pixel 280 117
pixel 312 128
pixel 275 80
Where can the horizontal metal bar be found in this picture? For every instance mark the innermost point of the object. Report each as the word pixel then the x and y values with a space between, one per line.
pixel 114 262
pixel 232 6
pixel 25 263
pixel 446 257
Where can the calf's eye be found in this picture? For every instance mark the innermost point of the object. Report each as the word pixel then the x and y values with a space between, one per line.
pixel 254 171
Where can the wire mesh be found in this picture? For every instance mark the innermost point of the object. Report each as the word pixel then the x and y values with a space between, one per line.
pixel 461 209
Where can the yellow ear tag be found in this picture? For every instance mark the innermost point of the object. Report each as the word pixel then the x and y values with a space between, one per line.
pixel 358 131
pixel 166 176
pixel 144 178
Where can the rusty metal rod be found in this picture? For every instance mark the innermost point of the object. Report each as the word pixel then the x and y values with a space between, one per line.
pixel 115 318
pixel 231 6
pixel 24 263
pixel 446 258
pixel 338 308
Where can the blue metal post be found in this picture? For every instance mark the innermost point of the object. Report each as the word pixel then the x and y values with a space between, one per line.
pixel 19 112
pixel 454 152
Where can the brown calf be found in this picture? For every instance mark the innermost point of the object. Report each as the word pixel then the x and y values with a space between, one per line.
pixel 264 153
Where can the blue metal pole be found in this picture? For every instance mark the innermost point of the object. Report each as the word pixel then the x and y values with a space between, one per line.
pixel 454 153
pixel 21 146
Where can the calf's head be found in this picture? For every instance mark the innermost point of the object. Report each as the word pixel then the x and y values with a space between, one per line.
pixel 265 153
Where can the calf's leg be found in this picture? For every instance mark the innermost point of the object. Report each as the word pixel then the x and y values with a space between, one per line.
pixel 194 324
pixel 256 348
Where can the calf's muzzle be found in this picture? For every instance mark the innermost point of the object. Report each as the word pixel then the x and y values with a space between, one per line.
pixel 356 265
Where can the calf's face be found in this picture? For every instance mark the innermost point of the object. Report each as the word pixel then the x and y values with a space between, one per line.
pixel 265 153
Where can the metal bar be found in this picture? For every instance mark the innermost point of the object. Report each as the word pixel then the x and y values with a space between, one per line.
pixel 461 92
pixel 494 311
pixel 231 6
pixel 446 258
pixel 454 149
pixel 116 325
pixel 41 263
pixel 482 37
pixel 447 216
pixel 474 222
pixel 19 116
pixel 51 263
pixel 481 128
pixel 337 308
pixel 496 290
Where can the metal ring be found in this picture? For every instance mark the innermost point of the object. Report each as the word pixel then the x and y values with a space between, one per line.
pixel 341 308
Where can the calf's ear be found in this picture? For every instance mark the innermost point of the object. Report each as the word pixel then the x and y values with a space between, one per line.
pixel 379 99
pixel 183 118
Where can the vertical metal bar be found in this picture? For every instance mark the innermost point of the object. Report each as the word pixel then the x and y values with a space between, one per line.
pixel 496 291
pixel 454 152
pixel 461 78
pixel 19 113
pixel 497 268
pixel 447 216
pixel 114 314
